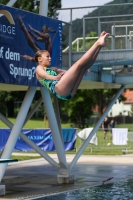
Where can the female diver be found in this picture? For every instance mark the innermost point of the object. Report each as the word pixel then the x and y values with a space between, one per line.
pixel 61 83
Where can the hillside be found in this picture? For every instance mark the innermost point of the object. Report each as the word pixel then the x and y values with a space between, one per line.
pixel 91 25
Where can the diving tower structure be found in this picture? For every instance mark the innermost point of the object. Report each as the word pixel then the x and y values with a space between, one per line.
pixel 112 69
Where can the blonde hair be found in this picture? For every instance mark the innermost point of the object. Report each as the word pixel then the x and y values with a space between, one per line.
pixel 35 58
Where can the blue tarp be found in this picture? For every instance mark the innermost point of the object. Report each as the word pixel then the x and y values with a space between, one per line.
pixel 41 137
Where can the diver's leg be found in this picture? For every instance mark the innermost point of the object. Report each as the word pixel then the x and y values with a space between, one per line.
pixel 72 78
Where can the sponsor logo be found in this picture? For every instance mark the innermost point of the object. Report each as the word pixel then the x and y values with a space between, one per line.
pixel 8 16
pixel 7 29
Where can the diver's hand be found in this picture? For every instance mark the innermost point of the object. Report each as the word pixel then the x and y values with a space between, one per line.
pixel 58 77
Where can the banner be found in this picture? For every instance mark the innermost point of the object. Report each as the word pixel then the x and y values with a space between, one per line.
pixel 83 134
pixel 120 136
pixel 23 33
pixel 41 137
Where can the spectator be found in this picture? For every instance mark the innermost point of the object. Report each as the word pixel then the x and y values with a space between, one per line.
pixel 112 125
pixel 105 126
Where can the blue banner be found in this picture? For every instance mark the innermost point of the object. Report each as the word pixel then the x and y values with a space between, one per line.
pixel 41 137
pixel 23 33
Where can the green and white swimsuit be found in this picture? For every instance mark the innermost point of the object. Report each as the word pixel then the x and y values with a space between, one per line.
pixel 50 84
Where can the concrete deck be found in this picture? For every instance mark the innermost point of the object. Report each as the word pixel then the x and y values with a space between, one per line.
pixel 34 178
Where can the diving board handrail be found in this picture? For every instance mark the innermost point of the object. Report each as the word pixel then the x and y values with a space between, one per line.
pixel 8 160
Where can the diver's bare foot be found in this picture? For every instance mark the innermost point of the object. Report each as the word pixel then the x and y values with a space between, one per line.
pixel 102 38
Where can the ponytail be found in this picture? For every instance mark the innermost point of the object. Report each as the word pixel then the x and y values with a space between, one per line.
pixel 32 59
pixel 35 58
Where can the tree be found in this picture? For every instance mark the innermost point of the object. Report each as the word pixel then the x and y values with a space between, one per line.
pixel 79 108
pixel 53 4
pixel 103 97
pixel 24 5
pixel 7 100
pixel 33 5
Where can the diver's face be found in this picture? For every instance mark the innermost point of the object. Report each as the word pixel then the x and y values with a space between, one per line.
pixel 46 59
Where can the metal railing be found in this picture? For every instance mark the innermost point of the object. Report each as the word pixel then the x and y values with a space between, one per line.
pixel 78 43
pixel 118 40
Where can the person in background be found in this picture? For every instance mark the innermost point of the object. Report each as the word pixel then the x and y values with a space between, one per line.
pixel 112 125
pixel 105 127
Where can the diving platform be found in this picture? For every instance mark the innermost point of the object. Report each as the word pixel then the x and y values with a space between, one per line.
pixel 109 69
pixel 105 57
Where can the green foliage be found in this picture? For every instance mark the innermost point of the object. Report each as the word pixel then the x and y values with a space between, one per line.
pixel 88 42
pixel 4 2
pixel 79 108
pixel 24 157
pixel 7 100
pixel 33 6
pixel 103 98
pixel 53 4
pixel 92 25
pixel 24 5
pixel 91 34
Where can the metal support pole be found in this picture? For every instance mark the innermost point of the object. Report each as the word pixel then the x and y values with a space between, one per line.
pixel 56 106
pixel 17 128
pixel 31 112
pixel 72 164
pixel 70 40
pixel 43 9
pixel 28 116
pixel 130 39
pixel 11 3
pixel 126 39
pixel 99 27
pixel 31 143
pixel 57 113
pixel 50 112
pixel 113 38
pixel 54 129
pixel 78 45
pixel 84 35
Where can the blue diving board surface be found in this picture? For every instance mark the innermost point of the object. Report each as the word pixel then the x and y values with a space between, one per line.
pixel 8 160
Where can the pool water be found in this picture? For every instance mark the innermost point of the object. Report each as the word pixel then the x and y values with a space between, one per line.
pixel 122 190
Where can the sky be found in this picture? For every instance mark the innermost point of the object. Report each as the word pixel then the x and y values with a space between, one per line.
pixel 78 13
